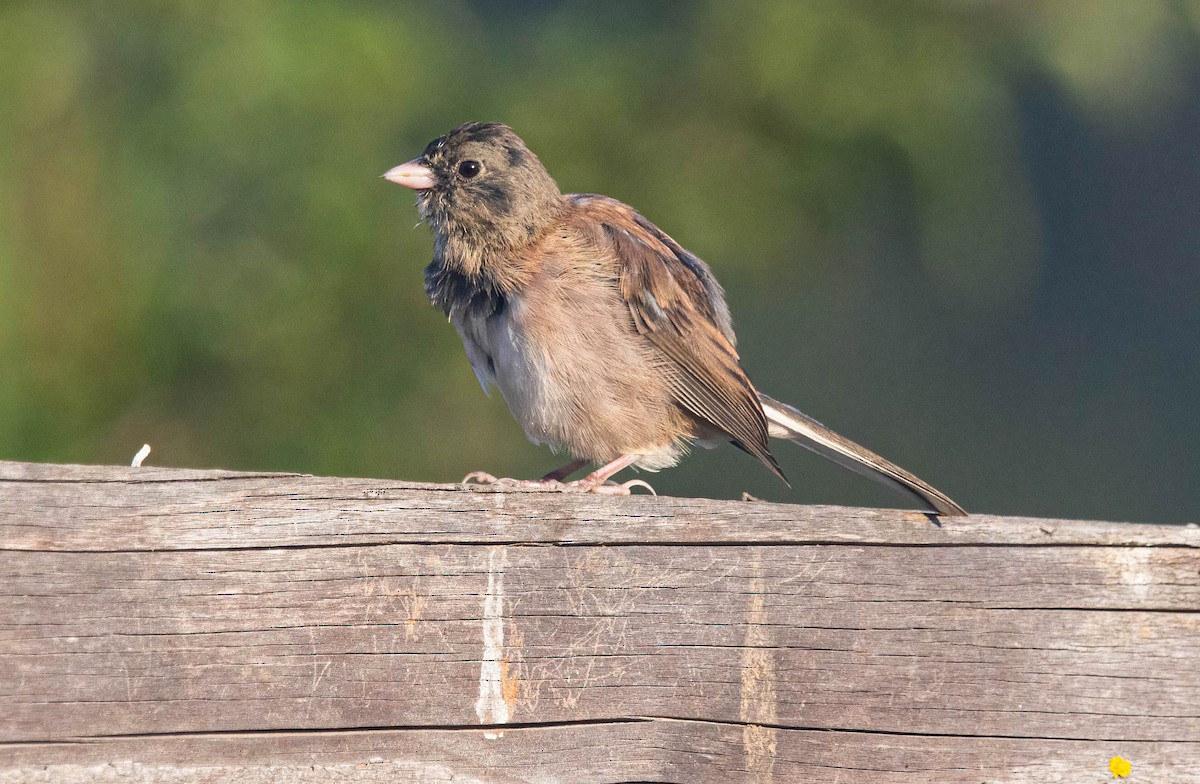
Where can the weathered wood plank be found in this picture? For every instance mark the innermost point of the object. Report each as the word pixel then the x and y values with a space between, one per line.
pixel 247 628
pixel 12 471
pixel 638 751
pixel 891 639
pixel 132 511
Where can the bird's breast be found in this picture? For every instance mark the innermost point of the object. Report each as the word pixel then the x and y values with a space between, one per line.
pixel 574 372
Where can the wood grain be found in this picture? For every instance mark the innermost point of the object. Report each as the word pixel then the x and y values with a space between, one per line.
pixel 166 625
pixel 121 508
pixel 635 751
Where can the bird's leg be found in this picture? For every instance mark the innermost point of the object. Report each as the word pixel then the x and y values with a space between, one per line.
pixel 597 481
pixel 559 474
pixel 601 474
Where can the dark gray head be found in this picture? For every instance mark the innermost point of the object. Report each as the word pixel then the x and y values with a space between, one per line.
pixel 481 184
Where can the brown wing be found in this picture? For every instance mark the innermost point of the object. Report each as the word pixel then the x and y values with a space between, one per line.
pixel 679 307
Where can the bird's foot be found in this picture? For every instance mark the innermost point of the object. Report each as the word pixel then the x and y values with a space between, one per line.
pixel 609 487
pixel 505 483
pixel 585 485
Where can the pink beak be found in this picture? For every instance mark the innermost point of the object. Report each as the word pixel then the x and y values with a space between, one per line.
pixel 413 174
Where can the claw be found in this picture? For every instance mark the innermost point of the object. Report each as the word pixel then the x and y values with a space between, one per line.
pixel 479 477
pixel 607 488
pixel 632 483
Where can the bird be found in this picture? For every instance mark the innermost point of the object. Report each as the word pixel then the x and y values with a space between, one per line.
pixel 607 339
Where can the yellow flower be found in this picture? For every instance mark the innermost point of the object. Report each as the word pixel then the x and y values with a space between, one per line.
pixel 1120 767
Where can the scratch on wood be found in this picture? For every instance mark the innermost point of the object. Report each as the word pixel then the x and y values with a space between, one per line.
pixel 414 603
pixel 758 696
pixel 492 705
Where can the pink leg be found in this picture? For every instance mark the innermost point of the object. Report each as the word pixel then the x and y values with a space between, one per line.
pixel 559 474
pixel 597 481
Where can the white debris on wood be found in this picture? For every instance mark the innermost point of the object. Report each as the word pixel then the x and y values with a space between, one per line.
pixel 141 455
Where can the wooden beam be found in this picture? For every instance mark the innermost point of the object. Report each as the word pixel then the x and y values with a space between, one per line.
pixel 159 623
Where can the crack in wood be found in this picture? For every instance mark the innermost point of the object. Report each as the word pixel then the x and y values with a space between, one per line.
pixel 714 543
pixel 349 730
pixel 591 722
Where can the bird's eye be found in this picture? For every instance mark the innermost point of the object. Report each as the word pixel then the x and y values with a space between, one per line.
pixel 469 169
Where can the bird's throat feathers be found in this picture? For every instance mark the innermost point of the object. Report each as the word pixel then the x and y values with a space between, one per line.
pixel 478 261
pixel 456 293
pixel 471 275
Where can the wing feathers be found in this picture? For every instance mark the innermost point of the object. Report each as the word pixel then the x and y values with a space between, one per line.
pixel 678 306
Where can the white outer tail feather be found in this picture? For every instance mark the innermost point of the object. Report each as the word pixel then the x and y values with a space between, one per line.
pixel 786 422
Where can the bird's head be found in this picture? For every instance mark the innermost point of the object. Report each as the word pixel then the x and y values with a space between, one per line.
pixel 481 184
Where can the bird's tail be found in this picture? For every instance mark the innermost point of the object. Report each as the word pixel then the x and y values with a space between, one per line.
pixel 783 421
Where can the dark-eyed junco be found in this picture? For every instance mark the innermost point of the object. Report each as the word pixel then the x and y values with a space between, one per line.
pixel 607 339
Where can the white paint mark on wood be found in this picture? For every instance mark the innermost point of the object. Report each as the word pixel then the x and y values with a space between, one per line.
pixel 759 701
pixel 1133 566
pixel 491 706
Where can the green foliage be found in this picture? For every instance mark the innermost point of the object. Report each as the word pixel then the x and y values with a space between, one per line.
pixel 196 250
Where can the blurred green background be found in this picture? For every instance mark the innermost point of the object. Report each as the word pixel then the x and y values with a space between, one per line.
pixel 966 234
